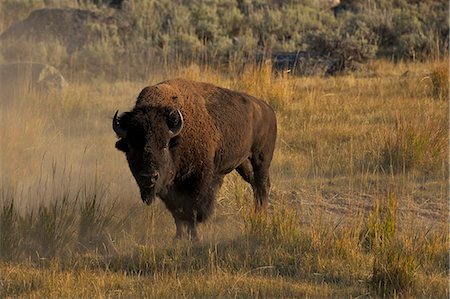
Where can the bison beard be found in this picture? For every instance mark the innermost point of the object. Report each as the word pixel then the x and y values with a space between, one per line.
pixel 148 195
pixel 183 137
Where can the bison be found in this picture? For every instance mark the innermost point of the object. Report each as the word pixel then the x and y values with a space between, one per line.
pixel 181 139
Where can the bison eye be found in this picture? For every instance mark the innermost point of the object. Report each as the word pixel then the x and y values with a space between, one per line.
pixel 122 145
pixel 175 141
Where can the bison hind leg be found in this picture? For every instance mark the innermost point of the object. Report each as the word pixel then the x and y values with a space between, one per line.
pixel 256 173
pixel 246 171
pixel 261 181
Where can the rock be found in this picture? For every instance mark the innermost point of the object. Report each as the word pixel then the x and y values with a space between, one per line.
pixel 31 75
pixel 352 6
pixel 308 63
pixel 119 4
pixel 116 4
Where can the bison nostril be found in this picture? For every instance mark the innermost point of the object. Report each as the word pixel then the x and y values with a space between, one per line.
pixel 154 177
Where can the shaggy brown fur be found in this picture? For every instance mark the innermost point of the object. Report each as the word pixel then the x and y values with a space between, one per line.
pixel 223 130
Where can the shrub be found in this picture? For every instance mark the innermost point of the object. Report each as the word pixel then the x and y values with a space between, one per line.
pixel 352 43
pixel 234 32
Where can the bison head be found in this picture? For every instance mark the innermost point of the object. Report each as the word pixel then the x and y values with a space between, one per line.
pixel 149 137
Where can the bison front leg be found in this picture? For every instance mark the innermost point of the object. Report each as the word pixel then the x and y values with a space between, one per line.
pixel 181 228
pixel 196 209
pixel 185 228
pixel 192 232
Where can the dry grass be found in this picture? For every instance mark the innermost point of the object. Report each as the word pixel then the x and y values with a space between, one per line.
pixel 358 206
pixel 440 80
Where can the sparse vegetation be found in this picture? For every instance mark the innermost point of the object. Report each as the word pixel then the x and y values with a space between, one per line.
pixel 152 34
pixel 359 200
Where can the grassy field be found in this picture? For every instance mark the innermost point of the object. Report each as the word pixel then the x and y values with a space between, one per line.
pixel 358 206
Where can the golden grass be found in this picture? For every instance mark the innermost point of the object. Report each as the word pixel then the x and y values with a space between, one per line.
pixel 72 224
pixel 440 80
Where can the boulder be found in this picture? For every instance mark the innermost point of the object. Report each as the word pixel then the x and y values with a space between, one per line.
pixel 304 63
pixel 344 6
pixel 30 75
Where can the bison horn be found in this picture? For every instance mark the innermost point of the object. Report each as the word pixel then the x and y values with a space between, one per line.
pixel 116 127
pixel 175 130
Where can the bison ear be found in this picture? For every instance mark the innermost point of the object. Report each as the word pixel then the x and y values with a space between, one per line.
pixel 175 122
pixel 122 145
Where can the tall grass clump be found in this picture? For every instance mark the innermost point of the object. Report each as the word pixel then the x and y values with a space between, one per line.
pixel 259 80
pixel 50 228
pixel 9 230
pixel 95 220
pixel 394 268
pixel 415 145
pixel 61 222
pixel 381 223
pixel 278 227
pixel 440 81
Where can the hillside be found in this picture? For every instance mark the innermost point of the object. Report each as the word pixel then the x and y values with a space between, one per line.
pixel 99 40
